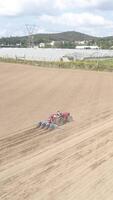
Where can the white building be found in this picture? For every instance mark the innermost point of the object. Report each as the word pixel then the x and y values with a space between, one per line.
pixel 87 47
pixel 42 45
pixel 52 43
pixel 81 42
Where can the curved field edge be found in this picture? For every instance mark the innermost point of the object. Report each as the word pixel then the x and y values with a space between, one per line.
pixel 93 65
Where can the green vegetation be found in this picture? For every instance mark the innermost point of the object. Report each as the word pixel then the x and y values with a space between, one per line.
pixel 13 41
pixel 95 65
pixel 61 40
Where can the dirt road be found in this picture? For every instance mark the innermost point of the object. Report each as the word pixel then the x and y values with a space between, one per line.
pixel 74 162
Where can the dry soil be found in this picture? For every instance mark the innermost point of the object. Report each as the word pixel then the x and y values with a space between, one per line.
pixel 74 162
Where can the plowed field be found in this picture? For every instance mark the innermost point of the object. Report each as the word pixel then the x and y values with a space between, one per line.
pixel 74 162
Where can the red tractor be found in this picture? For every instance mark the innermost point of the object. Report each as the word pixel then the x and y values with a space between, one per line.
pixel 55 120
pixel 60 118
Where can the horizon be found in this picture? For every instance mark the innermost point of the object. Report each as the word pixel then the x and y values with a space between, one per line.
pixel 56 33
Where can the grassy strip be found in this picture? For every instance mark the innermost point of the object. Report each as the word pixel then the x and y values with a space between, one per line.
pixel 95 65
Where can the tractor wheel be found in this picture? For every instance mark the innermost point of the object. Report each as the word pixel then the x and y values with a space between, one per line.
pixel 61 122
pixel 70 118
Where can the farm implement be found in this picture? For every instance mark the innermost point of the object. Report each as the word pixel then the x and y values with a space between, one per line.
pixel 55 120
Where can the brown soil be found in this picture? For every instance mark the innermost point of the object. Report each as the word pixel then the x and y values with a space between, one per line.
pixel 74 162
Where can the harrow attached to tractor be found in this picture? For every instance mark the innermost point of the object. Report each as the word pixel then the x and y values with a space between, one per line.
pixel 55 120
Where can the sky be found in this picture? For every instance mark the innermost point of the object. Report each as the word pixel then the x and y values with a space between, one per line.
pixel 93 17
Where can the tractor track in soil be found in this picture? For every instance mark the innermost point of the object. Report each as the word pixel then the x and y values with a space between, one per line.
pixel 72 162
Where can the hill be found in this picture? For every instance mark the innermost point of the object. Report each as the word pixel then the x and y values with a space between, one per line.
pixel 69 36
pixel 63 40
pixel 65 36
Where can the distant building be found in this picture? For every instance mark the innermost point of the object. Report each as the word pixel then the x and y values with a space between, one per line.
pixel 10 45
pixel 18 45
pixel 81 42
pixel 52 43
pixel 42 45
pixel 87 47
